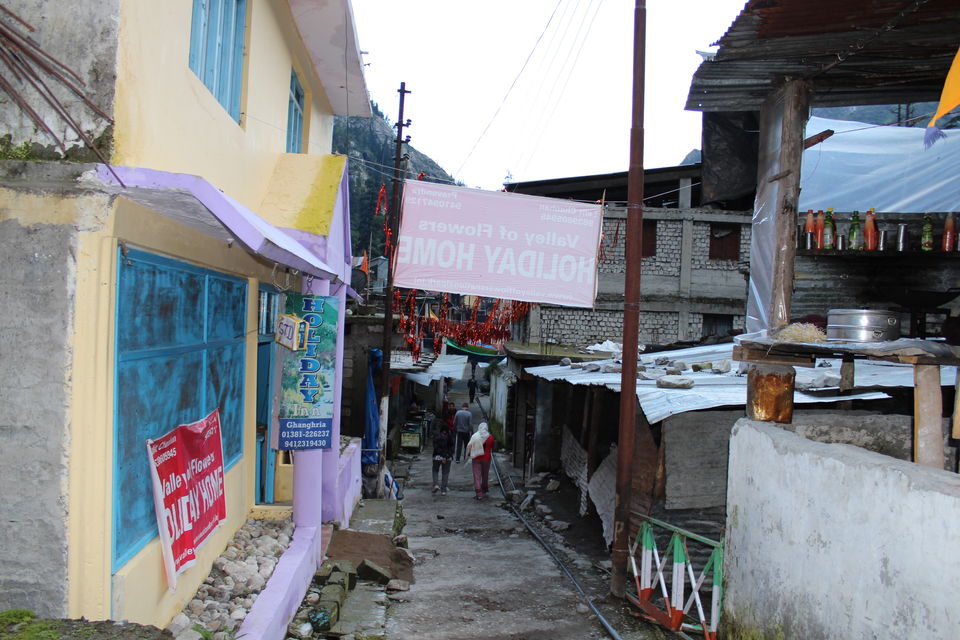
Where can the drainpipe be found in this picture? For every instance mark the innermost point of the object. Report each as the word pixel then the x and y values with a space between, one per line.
pixel 631 313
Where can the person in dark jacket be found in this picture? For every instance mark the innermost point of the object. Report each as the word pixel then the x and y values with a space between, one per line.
pixel 472 388
pixel 443 443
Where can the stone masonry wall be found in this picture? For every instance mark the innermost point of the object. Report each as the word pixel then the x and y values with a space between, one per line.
pixel 666 262
pixel 36 303
pixel 588 326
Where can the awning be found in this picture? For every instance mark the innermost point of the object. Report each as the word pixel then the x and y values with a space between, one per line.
pixel 193 201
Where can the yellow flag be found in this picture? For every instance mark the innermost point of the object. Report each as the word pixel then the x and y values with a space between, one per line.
pixel 949 98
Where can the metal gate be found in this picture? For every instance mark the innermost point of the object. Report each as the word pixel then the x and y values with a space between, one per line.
pixel 664 580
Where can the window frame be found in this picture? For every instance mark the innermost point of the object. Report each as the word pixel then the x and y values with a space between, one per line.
pixel 296 114
pixel 724 248
pixel 217 32
pixel 648 247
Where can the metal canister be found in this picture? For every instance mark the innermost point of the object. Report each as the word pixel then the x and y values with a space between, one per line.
pixel 841 242
pixel 882 240
pixel 903 237
pixel 862 325
pixel 808 241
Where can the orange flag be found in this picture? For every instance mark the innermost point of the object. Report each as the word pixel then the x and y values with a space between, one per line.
pixel 949 98
pixel 365 265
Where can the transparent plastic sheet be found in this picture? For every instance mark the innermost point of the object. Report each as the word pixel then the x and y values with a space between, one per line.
pixel 885 167
pixel 763 237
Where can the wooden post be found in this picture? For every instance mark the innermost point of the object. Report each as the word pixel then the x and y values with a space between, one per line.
pixel 927 416
pixel 955 432
pixel 770 390
pixel 847 380
pixel 782 118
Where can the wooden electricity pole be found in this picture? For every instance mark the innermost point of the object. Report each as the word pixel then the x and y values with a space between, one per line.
pixel 393 222
pixel 631 314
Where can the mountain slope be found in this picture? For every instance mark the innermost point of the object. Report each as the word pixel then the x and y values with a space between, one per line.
pixel 369 143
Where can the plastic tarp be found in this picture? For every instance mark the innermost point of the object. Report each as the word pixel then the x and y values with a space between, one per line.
pixel 371 427
pixel 445 366
pixel 885 167
pixel 859 167
pixel 814 384
pixel 763 232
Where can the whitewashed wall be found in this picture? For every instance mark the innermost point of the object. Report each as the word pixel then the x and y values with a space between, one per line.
pixel 831 541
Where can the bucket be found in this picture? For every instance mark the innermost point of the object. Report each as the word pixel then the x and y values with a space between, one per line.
pixel 862 325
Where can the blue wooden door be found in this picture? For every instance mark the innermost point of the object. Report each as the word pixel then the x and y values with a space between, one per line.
pixel 180 354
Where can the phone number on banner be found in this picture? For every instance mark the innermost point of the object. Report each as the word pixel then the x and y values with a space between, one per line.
pixel 307 444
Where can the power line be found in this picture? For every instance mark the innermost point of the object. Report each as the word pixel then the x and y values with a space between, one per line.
pixel 512 85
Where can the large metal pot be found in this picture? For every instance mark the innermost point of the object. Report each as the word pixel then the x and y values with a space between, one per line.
pixel 862 325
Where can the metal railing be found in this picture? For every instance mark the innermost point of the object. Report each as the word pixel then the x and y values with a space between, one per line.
pixel 673 573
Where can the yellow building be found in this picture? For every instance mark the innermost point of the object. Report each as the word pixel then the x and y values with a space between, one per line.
pixel 133 295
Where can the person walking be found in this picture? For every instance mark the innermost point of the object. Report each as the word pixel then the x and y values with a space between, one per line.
pixel 442 456
pixel 480 450
pixel 472 388
pixel 463 423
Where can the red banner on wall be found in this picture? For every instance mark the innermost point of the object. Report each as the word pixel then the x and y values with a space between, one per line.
pixel 187 469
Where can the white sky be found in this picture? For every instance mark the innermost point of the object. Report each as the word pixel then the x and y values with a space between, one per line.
pixel 569 112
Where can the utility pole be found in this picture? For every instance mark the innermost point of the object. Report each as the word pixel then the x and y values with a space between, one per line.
pixel 393 222
pixel 631 313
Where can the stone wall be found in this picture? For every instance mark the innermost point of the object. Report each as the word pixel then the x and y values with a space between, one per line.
pixel 832 541
pixel 678 285
pixel 36 298
pixel 583 327
pixel 82 34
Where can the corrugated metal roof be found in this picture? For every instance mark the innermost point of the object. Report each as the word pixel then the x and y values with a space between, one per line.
pixel 711 390
pixel 855 52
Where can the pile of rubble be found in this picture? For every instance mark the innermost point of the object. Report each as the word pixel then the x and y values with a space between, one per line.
pixel 324 605
pixel 526 500
pixel 236 579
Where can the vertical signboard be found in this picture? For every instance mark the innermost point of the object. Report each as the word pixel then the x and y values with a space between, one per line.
pixel 307 378
pixel 186 465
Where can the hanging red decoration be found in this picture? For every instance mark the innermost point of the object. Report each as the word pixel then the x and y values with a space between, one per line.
pixel 381 201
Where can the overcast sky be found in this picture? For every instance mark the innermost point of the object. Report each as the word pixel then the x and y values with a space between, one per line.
pixel 482 106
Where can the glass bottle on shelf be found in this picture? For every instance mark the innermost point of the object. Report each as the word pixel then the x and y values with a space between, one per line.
pixel 855 233
pixel 828 230
pixel 818 230
pixel 870 234
pixel 949 239
pixel 926 233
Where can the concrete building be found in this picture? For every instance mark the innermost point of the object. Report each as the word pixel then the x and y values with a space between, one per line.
pixel 140 295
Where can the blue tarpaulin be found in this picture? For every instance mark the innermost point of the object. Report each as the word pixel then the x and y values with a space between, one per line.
pixel 371 431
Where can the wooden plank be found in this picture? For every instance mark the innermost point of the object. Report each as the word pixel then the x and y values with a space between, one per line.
pixel 847 374
pixel 746 354
pixel 927 418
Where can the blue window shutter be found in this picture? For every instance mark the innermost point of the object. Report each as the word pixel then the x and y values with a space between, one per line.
pixel 216 49
pixel 295 108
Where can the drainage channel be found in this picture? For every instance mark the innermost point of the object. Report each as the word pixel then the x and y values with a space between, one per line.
pixel 546 545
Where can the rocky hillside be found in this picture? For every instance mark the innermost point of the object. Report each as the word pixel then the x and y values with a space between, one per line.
pixel 370 144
